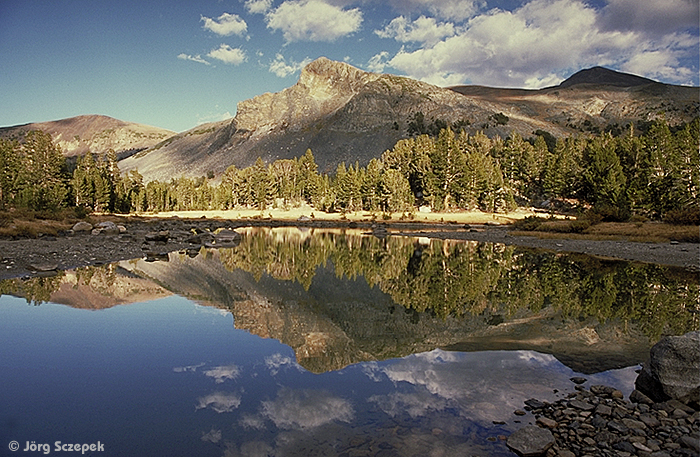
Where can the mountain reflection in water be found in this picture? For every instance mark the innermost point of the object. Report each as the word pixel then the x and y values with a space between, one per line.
pixel 341 297
pixel 341 344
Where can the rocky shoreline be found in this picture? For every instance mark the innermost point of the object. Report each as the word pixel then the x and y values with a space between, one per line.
pixel 598 421
pixel 79 248
pixel 661 418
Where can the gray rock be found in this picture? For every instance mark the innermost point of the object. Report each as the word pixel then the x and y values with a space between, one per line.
pixel 582 405
pixel 673 371
pixel 106 228
pixel 530 441
pixel 638 397
pixel 43 266
pixel 227 237
pixel 82 226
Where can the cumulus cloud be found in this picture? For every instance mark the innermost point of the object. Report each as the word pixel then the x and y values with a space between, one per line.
pixel 457 10
pixel 535 45
pixel 378 62
pixel 313 20
pixel 229 55
pixel 258 6
pixel 226 24
pixel 424 30
pixel 223 373
pixel 219 402
pixel 480 386
pixel 304 409
pixel 282 68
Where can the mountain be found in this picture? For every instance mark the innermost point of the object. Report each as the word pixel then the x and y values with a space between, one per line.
pixel 344 114
pixel 94 133
pixel 605 76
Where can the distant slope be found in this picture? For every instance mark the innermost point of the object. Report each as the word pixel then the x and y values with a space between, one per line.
pixel 344 114
pixel 94 133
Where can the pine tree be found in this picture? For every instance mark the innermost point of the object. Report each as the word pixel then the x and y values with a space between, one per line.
pixel 9 172
pixel 42 185
pixel 604 177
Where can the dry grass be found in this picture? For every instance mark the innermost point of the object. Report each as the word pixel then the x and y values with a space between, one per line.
pixel 293 214
pixel 648 232
pixel 31 224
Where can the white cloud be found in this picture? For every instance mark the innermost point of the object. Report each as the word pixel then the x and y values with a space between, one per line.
pixel 378 62
pixel 219 402
pixel 536 45
pixel 223 373
pixel 304 409
pixel 196 58
pixel 424 30
pixel 191 368
pixel 313 20
pixel 226 24
pixel 227 54
pixel 258 6
pixel 282 68
pixel 457 10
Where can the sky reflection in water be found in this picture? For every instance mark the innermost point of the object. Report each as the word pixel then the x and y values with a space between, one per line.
pixel 170 377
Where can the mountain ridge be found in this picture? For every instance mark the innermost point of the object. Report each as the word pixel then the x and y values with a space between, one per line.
pixel 96 133
pixel 345 114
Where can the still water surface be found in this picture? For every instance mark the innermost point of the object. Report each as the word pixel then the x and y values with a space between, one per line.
pixel 297 343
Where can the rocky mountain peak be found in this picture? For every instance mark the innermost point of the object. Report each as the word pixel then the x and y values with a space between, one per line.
pixel 324 73
pixel 324 86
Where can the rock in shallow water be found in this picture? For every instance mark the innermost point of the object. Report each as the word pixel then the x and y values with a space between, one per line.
pixel 530 441
pixel 673 371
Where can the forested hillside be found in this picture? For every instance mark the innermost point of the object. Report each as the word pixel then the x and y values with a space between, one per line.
pixel 655 175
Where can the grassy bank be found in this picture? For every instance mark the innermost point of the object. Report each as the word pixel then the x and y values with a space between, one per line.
pixel 30 224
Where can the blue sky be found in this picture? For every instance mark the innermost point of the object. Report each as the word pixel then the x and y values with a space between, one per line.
pixel 176 64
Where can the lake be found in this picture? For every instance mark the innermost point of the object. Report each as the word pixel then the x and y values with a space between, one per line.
pixel 321 342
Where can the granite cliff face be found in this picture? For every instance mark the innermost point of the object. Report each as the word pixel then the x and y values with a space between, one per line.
pixel 344 114
pixel 97 134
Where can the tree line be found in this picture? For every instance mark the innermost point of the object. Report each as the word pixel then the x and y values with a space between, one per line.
pixel 651 174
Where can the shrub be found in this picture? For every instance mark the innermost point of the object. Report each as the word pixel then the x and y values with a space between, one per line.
pixel 529 224
pixel 688 216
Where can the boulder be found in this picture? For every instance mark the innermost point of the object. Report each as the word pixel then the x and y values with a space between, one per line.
pixel 82 226
pixel 530 441
pixel 228 237
pixel 43 266
pixel 673 371
pixel 107 228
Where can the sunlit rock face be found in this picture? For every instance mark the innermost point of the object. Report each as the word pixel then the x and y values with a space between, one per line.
pixel 323 87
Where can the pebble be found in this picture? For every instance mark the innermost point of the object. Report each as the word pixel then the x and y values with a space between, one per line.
pixel 600 422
